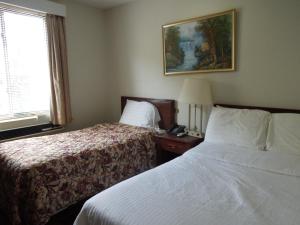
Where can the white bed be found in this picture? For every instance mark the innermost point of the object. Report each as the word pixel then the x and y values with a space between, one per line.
pixel 212 184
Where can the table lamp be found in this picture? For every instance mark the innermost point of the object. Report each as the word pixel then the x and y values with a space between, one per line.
pixel 195 92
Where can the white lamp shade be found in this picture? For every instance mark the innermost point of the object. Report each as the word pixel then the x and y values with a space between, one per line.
pixel 196 91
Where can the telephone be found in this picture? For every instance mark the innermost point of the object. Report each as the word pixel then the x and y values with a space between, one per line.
pixel 176 129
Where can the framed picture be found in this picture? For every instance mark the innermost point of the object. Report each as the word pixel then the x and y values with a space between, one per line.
pixel 198 45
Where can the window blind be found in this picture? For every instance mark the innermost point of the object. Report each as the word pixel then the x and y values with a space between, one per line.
pixel 24 64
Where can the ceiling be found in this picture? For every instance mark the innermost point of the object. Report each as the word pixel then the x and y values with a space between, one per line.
pixel 104 4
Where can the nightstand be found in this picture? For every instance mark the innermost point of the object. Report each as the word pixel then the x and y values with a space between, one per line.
pixel 170 146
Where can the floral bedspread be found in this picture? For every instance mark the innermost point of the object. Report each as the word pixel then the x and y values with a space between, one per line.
pixel 42 175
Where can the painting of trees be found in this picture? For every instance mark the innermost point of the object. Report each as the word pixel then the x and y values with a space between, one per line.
pixel 173 51
pixel 217 34
pixel 203 44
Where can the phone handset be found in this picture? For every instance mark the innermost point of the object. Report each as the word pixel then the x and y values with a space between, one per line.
pixel 176 129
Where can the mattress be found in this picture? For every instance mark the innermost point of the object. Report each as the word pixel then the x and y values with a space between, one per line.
pixel 43 175
pixel 211 185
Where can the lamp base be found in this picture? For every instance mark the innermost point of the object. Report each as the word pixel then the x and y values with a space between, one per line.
pixel 195 133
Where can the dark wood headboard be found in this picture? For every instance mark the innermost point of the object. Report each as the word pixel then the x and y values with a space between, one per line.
pixel 166 109
pixel 271 110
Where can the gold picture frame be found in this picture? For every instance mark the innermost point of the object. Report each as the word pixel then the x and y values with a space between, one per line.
pixel 200 45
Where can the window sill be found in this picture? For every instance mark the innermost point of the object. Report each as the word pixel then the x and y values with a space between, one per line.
pixel 13 134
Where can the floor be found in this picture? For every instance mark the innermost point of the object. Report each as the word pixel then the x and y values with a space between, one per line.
pixel 65 217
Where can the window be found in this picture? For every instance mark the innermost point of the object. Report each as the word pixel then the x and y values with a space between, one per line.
pixel 24 69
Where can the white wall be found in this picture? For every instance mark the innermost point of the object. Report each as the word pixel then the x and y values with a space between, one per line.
pixel 87 64
pixel 268 55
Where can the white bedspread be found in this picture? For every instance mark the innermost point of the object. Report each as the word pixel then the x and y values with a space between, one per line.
pixel 209 185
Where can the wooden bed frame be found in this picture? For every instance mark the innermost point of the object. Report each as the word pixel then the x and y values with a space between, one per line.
pixel 271 110
pixel 166 109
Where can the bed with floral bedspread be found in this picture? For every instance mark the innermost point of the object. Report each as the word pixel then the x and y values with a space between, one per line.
pixel 42 175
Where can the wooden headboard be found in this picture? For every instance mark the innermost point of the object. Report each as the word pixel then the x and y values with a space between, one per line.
pixel 166 109
pixel 271 110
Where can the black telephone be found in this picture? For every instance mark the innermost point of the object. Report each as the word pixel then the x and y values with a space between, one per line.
pixel 176 129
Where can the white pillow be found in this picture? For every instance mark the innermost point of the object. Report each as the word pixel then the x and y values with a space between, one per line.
pixel 241 127
pixel 284 133
pixel 142 114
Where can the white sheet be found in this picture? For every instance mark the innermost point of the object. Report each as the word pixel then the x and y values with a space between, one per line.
pixel 209 185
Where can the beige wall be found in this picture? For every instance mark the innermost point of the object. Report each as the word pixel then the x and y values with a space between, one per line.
pixel 268 55
pixel 87 64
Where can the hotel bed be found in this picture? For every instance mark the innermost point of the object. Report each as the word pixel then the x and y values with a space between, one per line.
pixel 42 175
pixel 217 182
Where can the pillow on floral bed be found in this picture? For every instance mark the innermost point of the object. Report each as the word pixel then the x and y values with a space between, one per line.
pixel 143 114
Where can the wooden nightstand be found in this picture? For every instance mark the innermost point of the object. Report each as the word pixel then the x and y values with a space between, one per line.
pixel 169 146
